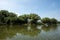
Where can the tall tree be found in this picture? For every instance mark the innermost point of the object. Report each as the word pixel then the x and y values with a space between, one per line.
pixel 34 18
pixel 46 20
pixel 53 20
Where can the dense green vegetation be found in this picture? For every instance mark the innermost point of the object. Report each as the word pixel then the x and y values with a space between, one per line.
pixel 26 24
pixel 47 20
pixel 12 18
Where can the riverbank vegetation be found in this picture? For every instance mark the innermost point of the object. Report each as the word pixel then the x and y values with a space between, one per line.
pixel 7 17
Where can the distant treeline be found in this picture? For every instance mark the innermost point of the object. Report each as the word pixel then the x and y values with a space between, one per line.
pixel 7 17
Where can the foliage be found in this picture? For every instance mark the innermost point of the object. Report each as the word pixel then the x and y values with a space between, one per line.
pixel 23 18
pixel 53 20
pixel 46 20
pixel 11 18
pixel 49 21
pixel 7 17
pixel 34 18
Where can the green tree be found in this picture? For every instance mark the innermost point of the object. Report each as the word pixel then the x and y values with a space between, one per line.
pixel 34 17
pixel 53 20
pixel 6 16
pixel 23 18
pixel 3 14
pixel 46 20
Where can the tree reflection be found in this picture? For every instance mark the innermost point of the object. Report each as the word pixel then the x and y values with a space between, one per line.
pixel 11 30
pixel 49 27
pixel 4 32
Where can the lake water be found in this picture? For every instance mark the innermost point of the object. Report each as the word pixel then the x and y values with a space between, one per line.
pixel 29 32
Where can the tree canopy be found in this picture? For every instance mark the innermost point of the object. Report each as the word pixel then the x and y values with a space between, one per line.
pixel 7 17
pixel 49 20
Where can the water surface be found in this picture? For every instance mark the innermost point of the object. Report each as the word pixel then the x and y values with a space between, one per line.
pixel 29 32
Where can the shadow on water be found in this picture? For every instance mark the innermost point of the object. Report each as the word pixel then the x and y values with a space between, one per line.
pixel 8 31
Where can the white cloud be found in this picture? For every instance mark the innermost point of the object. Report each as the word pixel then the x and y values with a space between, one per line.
pixel 13 5
pixel 4 4
pixel 10 5
pixel 25 0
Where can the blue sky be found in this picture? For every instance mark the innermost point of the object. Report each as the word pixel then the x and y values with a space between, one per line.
pixel 44 8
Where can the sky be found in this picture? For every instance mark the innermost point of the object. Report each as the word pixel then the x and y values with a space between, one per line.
pixel 44 8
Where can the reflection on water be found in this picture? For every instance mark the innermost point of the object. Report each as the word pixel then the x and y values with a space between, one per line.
pixel 27 32
pixel 50 27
